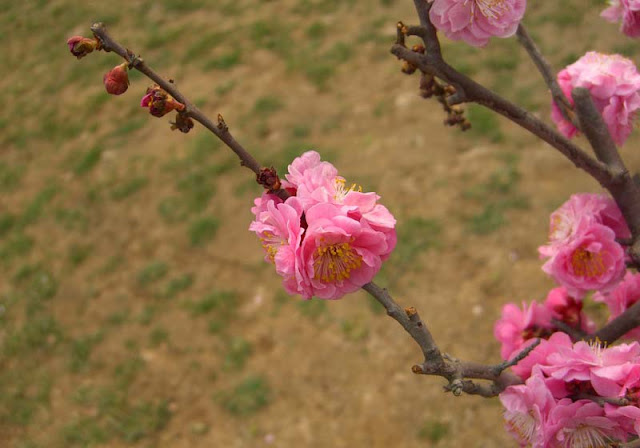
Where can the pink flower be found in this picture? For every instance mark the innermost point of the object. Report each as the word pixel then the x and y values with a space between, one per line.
pixel 116 80
pixel 613 82
pixel 628 11
pixel 581 207
pixel 582 423
pixel 625 294
pixel 538 357
pixel 277 224
pixel 527 408
pixel 518 326
pixel 628 417
pixel 592 260
pixel 338 254
pixel 567 309
pixel 475 21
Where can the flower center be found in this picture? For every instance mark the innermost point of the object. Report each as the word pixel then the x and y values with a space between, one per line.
pixel 523 425
pixel 585 436
pixel 342 190
pixel 491 9
pixel 587 264
pixel 271 243
pixel 335 262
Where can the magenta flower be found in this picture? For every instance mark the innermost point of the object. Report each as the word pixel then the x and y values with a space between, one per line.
pixel 592 260
pixel 567 309
pixel 628 11
pixel 160 102
pixel 116 80
pixel 613 82
pixel 538 357
pixel 475 21
pixel 582 423
pixel 582 207
pixel 338 254
pixel 518 326
pixel 625 294
pixel 628 417
pixel 527 408
pixel 325 240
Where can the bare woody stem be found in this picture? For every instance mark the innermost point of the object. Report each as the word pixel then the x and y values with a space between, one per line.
pixel 607 168
pixel 547 73
pixel 435 364
pixel 220 129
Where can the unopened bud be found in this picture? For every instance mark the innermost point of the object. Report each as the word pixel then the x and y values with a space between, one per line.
pixel 116 81
pixel 269 179
pixel 80 46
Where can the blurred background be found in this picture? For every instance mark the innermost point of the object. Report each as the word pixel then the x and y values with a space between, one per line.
pixel 136 308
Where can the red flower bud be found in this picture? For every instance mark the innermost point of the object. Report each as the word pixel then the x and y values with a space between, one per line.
pixel 159 102
pixel 116 81
pixel 80 46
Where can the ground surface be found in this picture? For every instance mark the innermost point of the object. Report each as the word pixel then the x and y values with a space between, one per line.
pixel 137 309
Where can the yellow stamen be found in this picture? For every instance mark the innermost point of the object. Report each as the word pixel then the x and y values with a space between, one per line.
pixel 587 264
pixel 334 263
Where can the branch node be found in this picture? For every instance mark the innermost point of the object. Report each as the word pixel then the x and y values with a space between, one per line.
pixel 222 125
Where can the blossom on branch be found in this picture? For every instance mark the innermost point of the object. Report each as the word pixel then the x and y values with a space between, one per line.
pixel 583 254
pixel 626 11
pixel 475 21
pixel 614 84
pixel 324 241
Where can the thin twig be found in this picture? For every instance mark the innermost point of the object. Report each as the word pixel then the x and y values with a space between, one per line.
pixel 547 73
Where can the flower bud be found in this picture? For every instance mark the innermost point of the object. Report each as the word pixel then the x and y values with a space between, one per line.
pixel 116 80
pixel 183 123
pixel 81 46
pixel 160 102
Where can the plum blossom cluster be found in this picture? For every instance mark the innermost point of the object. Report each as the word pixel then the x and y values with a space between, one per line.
pixel 614 84
pixel 577 395
pixel 583 253
pixel 327 239
pixel 476 21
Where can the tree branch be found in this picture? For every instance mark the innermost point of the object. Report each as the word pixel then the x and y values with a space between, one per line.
pixel 547 73
pixel 619 326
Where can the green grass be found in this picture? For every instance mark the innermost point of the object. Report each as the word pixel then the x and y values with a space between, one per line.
pixel 10 176
pixel 202 230
pixel 267 105
pixel 312 309
pixel 87 161
pixel 238 351
pixel 81 351
pixel 158 336
pixel 484 123
pixel 128 188
pixel 177 285
pixel 35 209
pixel 152 273
pixel 433 431
pixel 246 398
pixel 224 61
pixel 271 35
pixel 78 253
pixel 222 302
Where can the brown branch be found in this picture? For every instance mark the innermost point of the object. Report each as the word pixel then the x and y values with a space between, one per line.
pixel 219 129
pixel 619 326
pixel 575 334
pixel 547 73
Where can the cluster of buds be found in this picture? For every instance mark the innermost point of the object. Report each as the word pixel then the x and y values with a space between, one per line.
pixel 116 82
pixel 430 87
pixel 407 67
pixel 160 102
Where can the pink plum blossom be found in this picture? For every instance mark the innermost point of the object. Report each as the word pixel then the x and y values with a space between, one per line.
pixel 338 254
pixel 567 309
pixel 582 423
pixel 628 417
pixel 539 355
pixel 475 21
pixel 613 82
pixel 517 326
pixel 626 11
pixel 277 224
pixel 325 240
pixel 590 207
pixel 592 260
pixel 625 294
pixel 527 408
